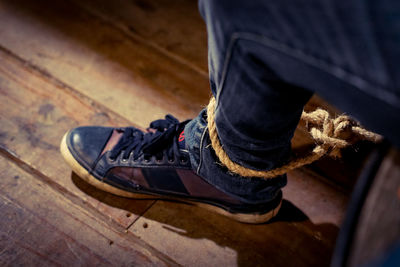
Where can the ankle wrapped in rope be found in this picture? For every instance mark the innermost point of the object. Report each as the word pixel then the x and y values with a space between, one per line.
pixel 330 134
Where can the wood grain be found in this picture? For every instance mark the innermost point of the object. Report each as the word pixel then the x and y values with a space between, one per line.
pixel 176 28
pixel 301 234
pixel 40 226
pixel 104 64
pixel 35 114
pixel 65 64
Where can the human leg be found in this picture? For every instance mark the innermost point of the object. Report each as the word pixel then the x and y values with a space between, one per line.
pixel 257 111
pixel 260 56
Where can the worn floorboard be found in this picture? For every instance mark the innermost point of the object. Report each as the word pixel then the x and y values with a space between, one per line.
pixel 176 27
pixel 301 235
pixel 41 227
pixel 35 114
pixel 64 64
pixel 93 57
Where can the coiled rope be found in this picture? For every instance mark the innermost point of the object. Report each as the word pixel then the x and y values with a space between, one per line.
pixel 330 134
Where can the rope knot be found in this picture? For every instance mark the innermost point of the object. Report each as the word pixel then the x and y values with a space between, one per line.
pixel 330 134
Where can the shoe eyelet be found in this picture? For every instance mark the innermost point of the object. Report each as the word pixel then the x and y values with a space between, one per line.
pixel 124 160
pixel 184 160
pixel 137 187
pixel 171 160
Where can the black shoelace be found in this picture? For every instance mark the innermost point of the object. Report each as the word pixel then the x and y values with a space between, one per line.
pixel 160 141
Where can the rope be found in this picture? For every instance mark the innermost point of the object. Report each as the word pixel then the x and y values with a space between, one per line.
pixel 330 134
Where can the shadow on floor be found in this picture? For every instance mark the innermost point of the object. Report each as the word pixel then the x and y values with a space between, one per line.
pixel 287 240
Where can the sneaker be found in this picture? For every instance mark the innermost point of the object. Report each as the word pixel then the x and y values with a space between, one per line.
pixel 152 164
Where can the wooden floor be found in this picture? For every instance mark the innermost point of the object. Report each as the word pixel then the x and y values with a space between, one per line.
pixel 125 63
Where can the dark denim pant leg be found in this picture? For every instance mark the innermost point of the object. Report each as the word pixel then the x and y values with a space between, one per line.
pixel 261 55
pixel 347 52
pixel 256 113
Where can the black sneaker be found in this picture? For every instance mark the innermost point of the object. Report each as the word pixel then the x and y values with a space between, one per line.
pixel 154 164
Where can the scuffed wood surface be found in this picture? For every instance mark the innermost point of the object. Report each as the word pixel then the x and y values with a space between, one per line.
pixel 64 64
pixel 300 235
pixel 41 227
pixel 35 114
pixel 100 61
pixel 173 27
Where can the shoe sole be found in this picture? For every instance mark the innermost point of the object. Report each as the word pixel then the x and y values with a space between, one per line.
pixel 252 218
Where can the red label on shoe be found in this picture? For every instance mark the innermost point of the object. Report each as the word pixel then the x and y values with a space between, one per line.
pixel 181 140
pixel 182 136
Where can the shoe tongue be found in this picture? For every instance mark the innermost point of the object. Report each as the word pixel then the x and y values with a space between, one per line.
pixel 181 140
pixel 113 140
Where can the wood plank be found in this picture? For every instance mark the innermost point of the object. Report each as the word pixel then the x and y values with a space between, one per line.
pixel 303 233
pixel 41 227
pixel 89 64
pixel 104 64
pixel 111 69
pixel 176 27
pixel 31 89
pixel 34 136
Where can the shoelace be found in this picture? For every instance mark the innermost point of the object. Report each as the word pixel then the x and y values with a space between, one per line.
pixel 160 141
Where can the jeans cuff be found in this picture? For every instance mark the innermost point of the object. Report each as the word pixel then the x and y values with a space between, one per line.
pixel 206 164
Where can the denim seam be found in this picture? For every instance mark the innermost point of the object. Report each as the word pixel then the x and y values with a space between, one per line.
pixel 225 68
pixel 332 69
pixel 201 150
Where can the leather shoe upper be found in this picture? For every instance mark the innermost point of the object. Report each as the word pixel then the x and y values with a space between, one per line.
pixel 86 143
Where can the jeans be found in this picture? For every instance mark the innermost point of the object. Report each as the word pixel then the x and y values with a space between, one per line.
pixel 266 58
